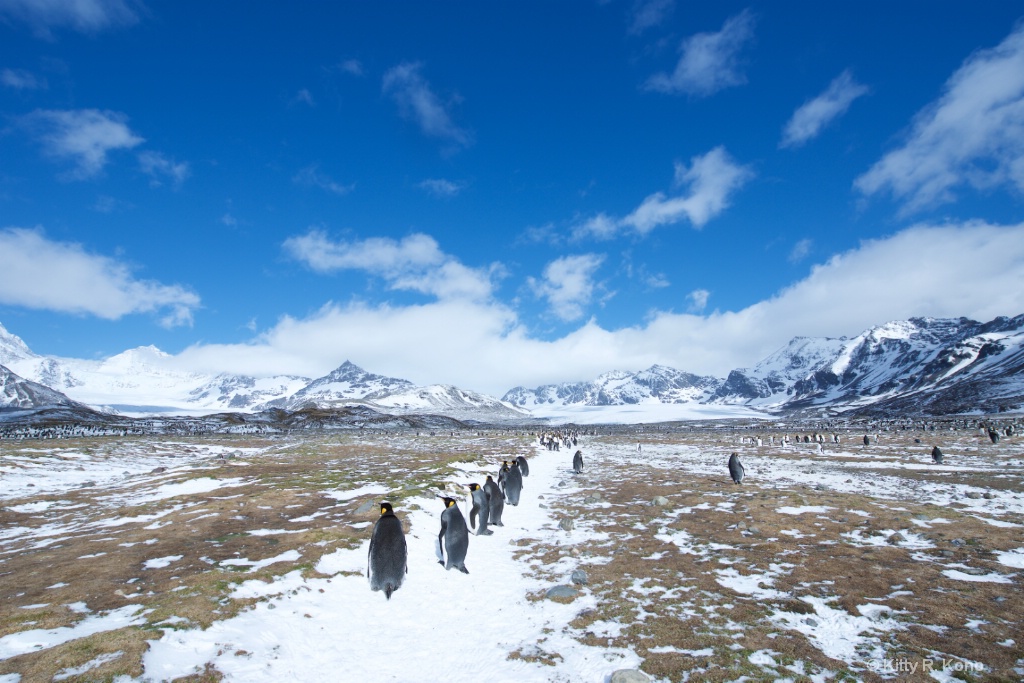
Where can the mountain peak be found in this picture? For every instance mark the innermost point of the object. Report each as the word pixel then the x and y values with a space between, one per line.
pixel 18 392
pixel 657 384
pixel 13 348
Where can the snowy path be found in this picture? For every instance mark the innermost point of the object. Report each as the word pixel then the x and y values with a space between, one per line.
pixel 440 625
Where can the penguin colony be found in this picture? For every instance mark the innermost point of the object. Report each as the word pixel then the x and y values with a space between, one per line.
pixel 387 562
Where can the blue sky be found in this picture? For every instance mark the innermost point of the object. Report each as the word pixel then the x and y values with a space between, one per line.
pixel 493 194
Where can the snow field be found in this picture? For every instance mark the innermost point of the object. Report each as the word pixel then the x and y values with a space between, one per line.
pixel 440 625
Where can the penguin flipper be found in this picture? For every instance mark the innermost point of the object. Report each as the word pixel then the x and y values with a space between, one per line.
pixel 368 556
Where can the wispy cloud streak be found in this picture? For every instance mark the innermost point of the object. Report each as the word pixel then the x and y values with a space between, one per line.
pixel 973 135
pixel 808 121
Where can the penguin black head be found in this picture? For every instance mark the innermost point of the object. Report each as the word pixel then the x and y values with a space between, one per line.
pixel 448 502
pixel 386 509
pixel 489 478
pixel 474 487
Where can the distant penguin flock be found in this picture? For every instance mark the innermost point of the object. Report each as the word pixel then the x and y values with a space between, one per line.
pixel 387 562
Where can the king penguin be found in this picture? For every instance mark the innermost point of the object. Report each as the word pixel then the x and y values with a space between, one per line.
pixel 386 565
pixel 454 536
pixel 513 483
pixel 481 510
pixel 496 500
pixel 577 462
pixel 524 466
pixel 937 455
pixel 502 475
pixel 736 470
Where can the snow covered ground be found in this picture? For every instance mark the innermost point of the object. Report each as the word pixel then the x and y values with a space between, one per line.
pixel 714 577
pixel 440 625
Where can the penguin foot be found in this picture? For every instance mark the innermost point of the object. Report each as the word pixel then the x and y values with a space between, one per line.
pixel 485 533
pixel 463 570
pixel 441 562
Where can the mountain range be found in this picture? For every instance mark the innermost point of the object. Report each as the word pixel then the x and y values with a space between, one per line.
pixel 146 380
pixel 918 366
pixel 933 366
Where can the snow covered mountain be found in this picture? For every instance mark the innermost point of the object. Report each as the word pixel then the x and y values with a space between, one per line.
pixel 916 366
pixel 657 384
pixel 349 384
pixel 242 392
pixel 19 393
pixel 343 385
pixel 921 365
pixel 770 382
pixel 147 380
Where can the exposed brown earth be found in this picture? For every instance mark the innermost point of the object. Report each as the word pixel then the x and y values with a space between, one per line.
pixel 666 577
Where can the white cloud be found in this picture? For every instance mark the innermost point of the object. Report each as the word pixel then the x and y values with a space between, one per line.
pixel 655 280
pixel 40 273
pixel 439 187
pixel 648 14
pixel 709 181
pixel 158 167
pixel 973 269
pixel 602 227
pixel 698 300
pixel 568 284
pixel 418 103
pixel 108 204
pixel 19 79
pixel 451 341
pixel 972 135
pixel 800 250
pixel 304 97
pixel 809 120
pixel 351 66
pixel 710 61
pixel 86 16
pixel 415 263
pixel 83 136
pixel 312 176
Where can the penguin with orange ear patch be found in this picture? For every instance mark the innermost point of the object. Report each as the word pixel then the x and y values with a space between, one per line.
pixel 386 566
pixel 454 536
